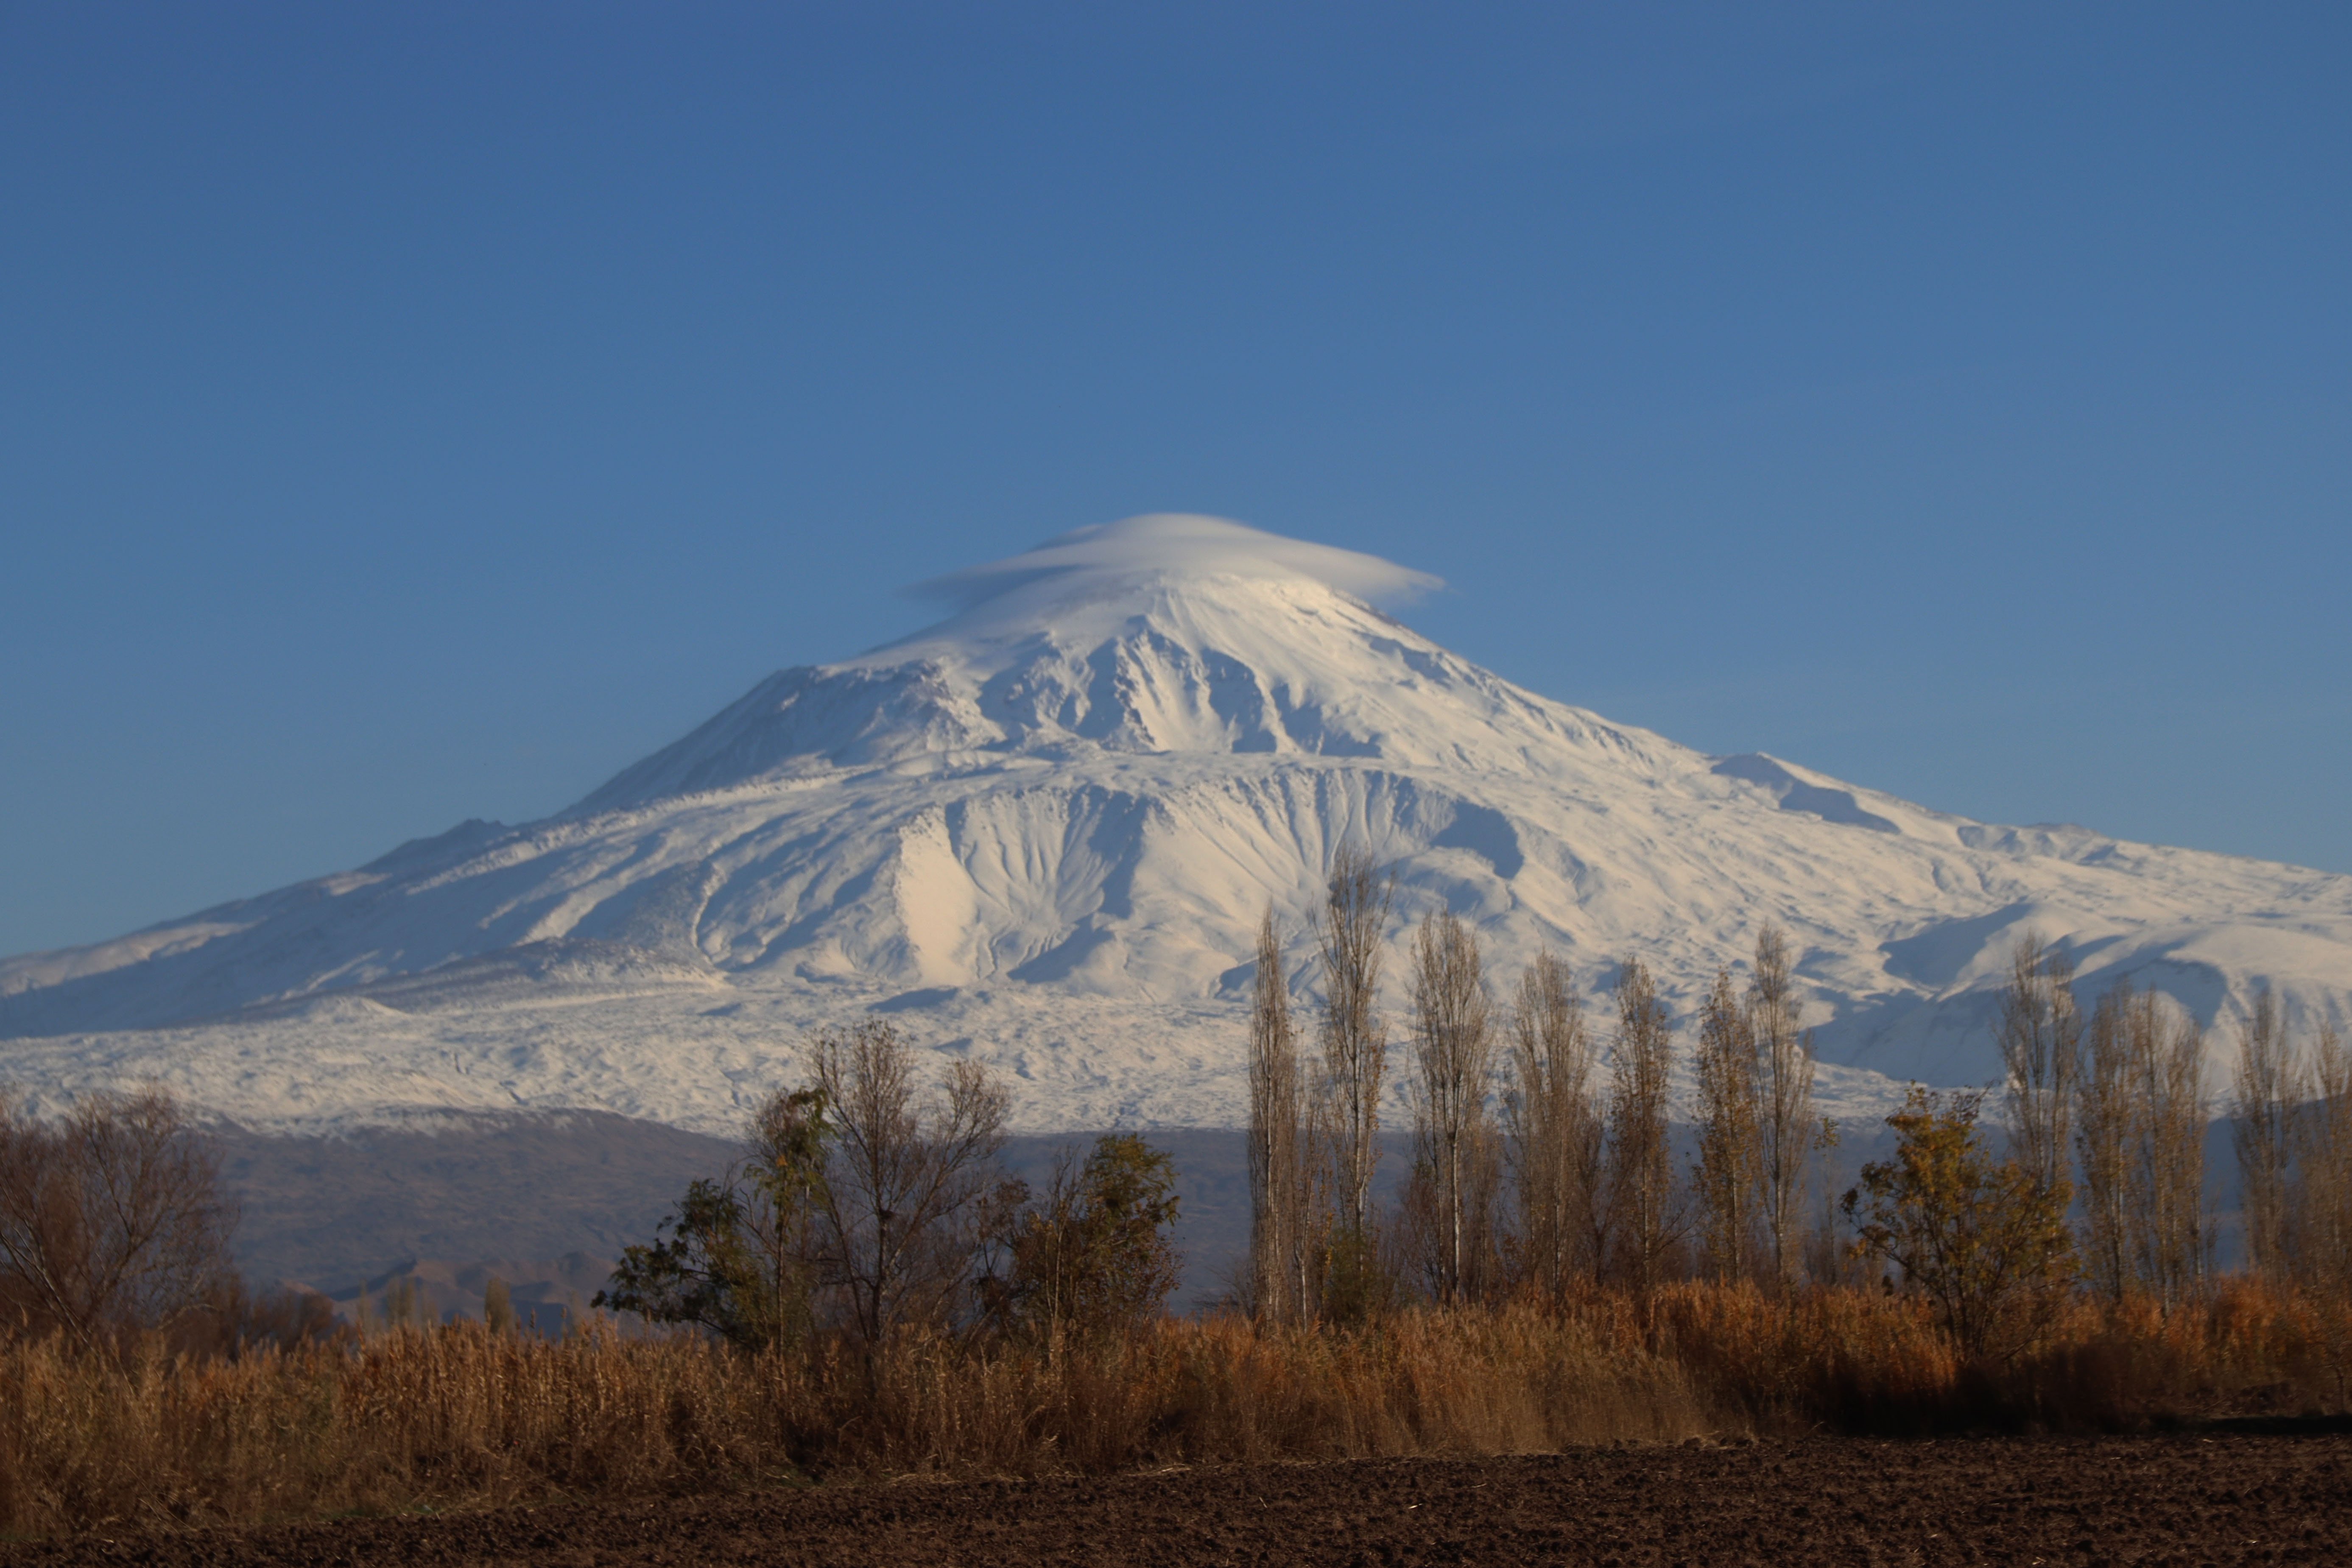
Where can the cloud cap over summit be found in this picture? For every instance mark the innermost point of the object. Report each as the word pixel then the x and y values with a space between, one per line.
pixel 1172 544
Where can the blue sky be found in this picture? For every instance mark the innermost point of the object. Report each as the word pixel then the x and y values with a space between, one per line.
pixel 416 412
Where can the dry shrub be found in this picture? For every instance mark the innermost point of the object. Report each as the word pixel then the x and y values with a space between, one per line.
pixel 2252 1349
pixel 1859 1362
pixel 1469 1381
pixel 458 1415
pixel 1510 1380
pixel 1855 1360
pixel 461 1417
pixel 449 1415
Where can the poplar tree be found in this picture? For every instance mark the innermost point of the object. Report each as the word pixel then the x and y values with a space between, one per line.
pixel 2174 1247
pixel 2321 1196
pixel 2139 1140
pixel 2264 1093
pixel 1277 1143
pixel 1348 935
pixel 1454 1051
pixel 1787 1130
pixel 1554 1132
pixel 1646 1218
pixel 1729 1171
pixel 2041 1036
pixel 2109 1123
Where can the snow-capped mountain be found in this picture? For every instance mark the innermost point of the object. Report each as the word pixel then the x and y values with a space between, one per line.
pixel 1043 830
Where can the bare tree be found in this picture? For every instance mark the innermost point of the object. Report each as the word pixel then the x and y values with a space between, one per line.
pixel 2109 1119
pixel 1729 1171
pixel 2175 1244
pixel 2139 1137
pixel 112 1220
pixel 1278 1152
pixel 2041 1040
pixel 1555 1134
pixel 1453 1049
pixel 1355 1039
pixel 900 1208
pixel 2265 1093
pixel 1645 1214
pixel 2320 1205
pixel 1484 1178
pixel 1787 1131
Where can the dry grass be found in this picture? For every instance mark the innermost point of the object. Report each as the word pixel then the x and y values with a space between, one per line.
pixel 457 1417
pixel 414 1417
pixel 1855 1362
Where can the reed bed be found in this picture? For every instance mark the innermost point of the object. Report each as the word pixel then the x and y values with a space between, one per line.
pixel 459 1417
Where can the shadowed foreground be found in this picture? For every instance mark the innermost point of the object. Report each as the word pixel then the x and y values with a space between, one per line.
pixel 2221 1499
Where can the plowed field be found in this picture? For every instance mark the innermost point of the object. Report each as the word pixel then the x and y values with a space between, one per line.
pixel 2221 1499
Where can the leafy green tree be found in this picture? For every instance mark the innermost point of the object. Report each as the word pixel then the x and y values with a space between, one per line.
pixel 694 1277
pixel 741 1259
pixel 1092 1255
pixel 1986 1242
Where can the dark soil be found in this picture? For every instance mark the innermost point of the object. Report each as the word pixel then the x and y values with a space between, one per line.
pixel 2219 1498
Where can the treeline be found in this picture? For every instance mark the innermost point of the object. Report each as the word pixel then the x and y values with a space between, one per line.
pixel 1542 1163
pixel 2109 1109
pixel 869 1205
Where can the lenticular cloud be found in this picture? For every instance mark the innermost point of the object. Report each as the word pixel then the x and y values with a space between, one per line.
pixel 1176 542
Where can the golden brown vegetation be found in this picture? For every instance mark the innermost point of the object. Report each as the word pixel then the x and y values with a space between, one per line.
pixel 460 1416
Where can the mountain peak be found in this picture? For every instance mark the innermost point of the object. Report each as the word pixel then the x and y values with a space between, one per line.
pixel 1161 633
pixel 1049 825
pixel 1176 575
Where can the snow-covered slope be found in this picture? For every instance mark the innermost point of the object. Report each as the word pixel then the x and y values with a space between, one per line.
pixel 1042 832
